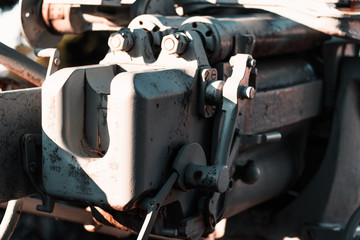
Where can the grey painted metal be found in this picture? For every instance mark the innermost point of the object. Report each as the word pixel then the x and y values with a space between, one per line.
pixel 150 89
pixel 22 65
pixel 131 117
pixel 10 219
pixel 161 92
pixel 20 113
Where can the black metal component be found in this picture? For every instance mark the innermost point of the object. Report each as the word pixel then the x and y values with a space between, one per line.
pixel 33 166
pixel 322 232
pixel 329 196
pixel 260 138
pixel 249 173
pixel 350 231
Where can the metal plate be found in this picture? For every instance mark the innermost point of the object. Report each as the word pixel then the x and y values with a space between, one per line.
pixel 20 113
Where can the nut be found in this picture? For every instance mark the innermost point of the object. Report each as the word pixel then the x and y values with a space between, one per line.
pixel 175 43
pixel 121 41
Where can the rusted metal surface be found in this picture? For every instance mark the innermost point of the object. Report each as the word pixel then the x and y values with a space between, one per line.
pixel 276 108
pixel 20 113
pixel 73 214
pixel 271 35
pixel 33 27
pixel 22 66
pixel 322 16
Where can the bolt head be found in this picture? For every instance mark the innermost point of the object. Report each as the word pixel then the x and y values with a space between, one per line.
pixel 121 41
pixel 175 43
pixel 169 44
pixel 245 92
pixel 251 62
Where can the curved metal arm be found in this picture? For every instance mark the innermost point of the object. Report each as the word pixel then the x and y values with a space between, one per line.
pixel 11 217
pixel 352 225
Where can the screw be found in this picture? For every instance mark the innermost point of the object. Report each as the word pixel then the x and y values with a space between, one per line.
pixel 251 62
pixel 175 43
pixel 121 41
pixel 152 203
pixel 245 92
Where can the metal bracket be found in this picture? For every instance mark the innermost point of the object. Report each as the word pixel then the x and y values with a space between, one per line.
pixel 54 58
pixel 32 167
pixel 206 75
pixel 236 88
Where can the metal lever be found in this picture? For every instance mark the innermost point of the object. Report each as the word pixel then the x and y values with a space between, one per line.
pixel 54 58
pixel 153 206
pixel 235 88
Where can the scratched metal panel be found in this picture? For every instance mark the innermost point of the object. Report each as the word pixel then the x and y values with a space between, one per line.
pixel 281 107
pixel 20 113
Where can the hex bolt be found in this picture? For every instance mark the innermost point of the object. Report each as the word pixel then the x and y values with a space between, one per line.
pixel 175 43
pixel 251 62
pixel 169 44
pixel 121 41
pixel 246 92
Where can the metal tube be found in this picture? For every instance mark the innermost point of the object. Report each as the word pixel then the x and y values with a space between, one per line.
pixel 10 219
pixel 265 34
pixel 22 66
pixel 276 174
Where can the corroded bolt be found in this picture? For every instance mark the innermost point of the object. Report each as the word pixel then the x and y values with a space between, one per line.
pixel 121 41
pixel 245 92
pixel 175 43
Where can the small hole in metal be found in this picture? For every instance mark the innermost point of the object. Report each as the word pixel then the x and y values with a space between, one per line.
pixel 197 175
